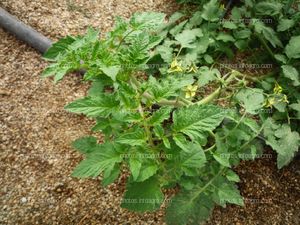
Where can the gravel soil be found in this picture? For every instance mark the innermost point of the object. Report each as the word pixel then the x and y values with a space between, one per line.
pixel 35 135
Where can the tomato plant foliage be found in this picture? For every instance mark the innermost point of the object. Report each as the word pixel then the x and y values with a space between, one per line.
pixel 148 77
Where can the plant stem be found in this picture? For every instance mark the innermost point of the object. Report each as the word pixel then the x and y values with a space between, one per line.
pixel 269 50
pixel 208 184
pixel 210 97
pixel 147 130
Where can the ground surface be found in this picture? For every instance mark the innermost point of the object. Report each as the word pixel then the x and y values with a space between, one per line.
pixel 35 135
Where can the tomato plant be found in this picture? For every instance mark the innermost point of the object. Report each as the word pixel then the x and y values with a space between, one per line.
pixel 149 82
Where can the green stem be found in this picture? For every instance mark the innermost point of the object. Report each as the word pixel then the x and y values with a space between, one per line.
pixel 269 50
pixel 210 97
pixel 207 184
pixel 147 130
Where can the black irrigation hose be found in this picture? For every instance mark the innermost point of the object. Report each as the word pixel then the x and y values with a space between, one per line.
pixel 24 32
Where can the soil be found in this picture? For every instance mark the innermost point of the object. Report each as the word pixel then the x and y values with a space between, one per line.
pixel 35 135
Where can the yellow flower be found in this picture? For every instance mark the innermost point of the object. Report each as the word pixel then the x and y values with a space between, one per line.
pixel 222 7
pixel 269 102
pixel 175 67
pixel 193 69
pixel 277 88
pixel 190 91
pixel 284 99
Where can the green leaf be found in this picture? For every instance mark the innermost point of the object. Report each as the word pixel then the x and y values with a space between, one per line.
pixel 292 50
pixel 232 176
pixel 283 140
pixel 268 33
pixel 135 167
pixel 148 169
pixel 97 161
pixel 58 47
pixel 230 25
pixel 111 71
pixel 208 59
pixel 242 34
pixel 187 37
pixel 281 58
pixel 111 174
pixel 166 142
pixel 189 207
pixel 193 159
pixel 143 196
pixel 85 144
pixel 252 99
pixel 160 115
pixel 197 119
pixel 268 8
pixel 178 28
pixel 211 11
pixel 92 106
pixel 134 138
pixel 225 37
pixel 223 159
pixel 229 193
pixel 285 24
pixel 296 107
pixel 206 75
pixel 181 142
pixel 291 73
pixel 147 20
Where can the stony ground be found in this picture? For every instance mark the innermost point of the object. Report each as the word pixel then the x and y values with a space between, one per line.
pixel 35 135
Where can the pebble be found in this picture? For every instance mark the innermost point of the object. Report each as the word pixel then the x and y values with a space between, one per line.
pixel 23 200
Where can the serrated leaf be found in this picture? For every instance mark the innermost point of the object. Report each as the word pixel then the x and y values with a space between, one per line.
pixel 268 8
pixel 58 47
pixel 166 142
pixel 158 131
pixel 229 193
pixel 102 105
pixel 147 20
pixel 229 25
pixel 251 99
pixel 148 169
pixel 85 144
pixel 211 11
pixel 285 24
pixel 232 176
pixel 135 167
pixel 296 107
pixel 281 58
pixel 111 71
pixel 111 174
pixel 223 159
pixel 283 140
pixel 97 161
pixel 187 37
pixel 197 119
pixel 160 115
pixel 206 75
pixel 134 138
pixel 143 196
pixel 181 142
pixel 189 208
pixel 193 159
pixel 225 37
pixel 291 73
pixel 268 33
pixel 292 50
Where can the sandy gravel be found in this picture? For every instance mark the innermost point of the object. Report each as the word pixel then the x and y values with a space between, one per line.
pixel 35 135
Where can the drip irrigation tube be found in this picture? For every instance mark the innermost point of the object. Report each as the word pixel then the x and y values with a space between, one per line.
pixel 24 32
